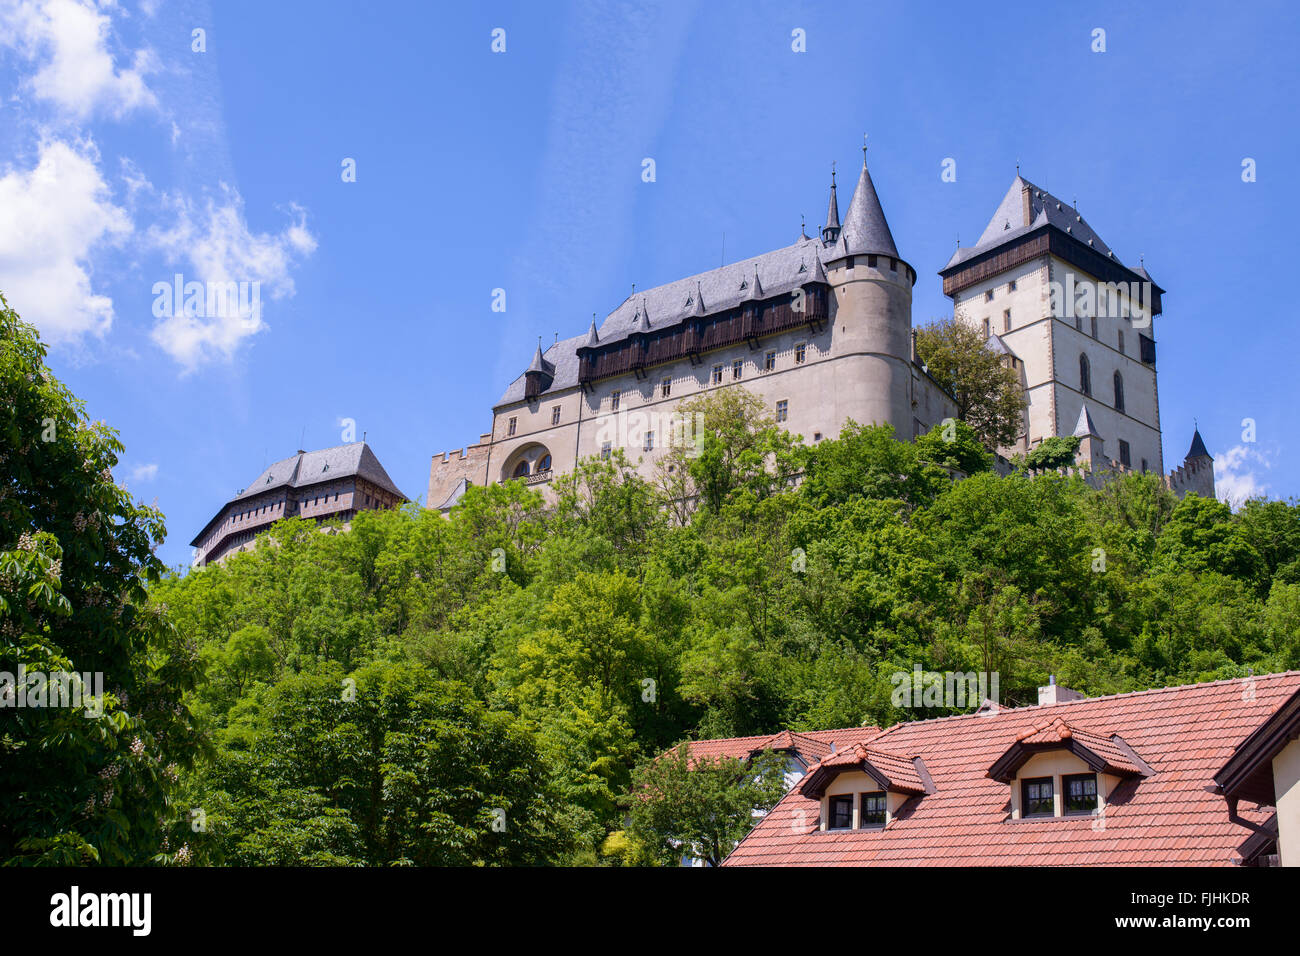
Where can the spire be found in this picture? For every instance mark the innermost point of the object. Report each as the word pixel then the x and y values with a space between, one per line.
pixel 699 300
pixel 1086 428
pixel 755 290
pixel 865 228
pixel 539 363
pixel 831 231
pixel 1198 446
pixel 645 313
pixel 592 338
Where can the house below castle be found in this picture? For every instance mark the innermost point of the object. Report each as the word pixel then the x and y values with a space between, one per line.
pixel 1200 775
pixel 320 485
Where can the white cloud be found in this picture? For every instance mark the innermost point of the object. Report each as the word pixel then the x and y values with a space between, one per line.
pixel 1235 476
pixel 144 472
pixel 51 217
pixel 218 246
pixel 77 73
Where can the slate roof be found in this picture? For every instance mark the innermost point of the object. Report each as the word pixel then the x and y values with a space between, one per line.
pixel 1198 446
pixel 1085 426
pixel 1170 817
pixel 1009 223
pixel 767 275
pixel 310 468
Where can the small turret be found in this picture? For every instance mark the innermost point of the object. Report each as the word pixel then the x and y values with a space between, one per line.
pixel 1091 449
pixel 831 231
pixel 539 375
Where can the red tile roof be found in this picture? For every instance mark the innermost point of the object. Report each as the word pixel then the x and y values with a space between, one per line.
pixel 1170 817
pixel 1104 752
pixel 810 746
pixel 893 771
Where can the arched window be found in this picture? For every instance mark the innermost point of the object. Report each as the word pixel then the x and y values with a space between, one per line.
pixel 1119 393
pixel 1085 375
pixel 521 470
pixel 544 463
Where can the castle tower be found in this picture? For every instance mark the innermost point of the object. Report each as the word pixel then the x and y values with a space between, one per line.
pixel 1081 322
pixel 872 322
pixel 1197 472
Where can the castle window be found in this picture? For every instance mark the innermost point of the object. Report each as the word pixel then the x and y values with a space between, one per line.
pixel 1119 392
pixel 839 814
pixel 605 450
pixel 782 410
pixel 544 463
pixel 1144 466
pixel 1121 341
pixel 521 471
pixel 1093 321
pixel 1036 797
pixel 1079 791
pixel 665 388
pixel 986 326
pixel 1124 458
pixel 769 361
pixel 1011 286
pixel 1006 320
pixel 737 368
pixel 800 353
pixel 614 398
pixel 555 415
pixel 513 426
pixel 1085 375
pixel 988 296
pixel 717 375
pixel 893 264
pixel 649 441
pixel 871 261
pixel 871 810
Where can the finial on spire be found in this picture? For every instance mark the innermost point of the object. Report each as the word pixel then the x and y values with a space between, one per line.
pixel 1017 167
pixel 832 172
pixel 864 149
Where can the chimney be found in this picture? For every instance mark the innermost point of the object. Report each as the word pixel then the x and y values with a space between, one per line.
pixel 1054 693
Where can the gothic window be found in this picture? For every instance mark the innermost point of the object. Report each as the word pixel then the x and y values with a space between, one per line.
pixel 1085 375
pixel 1119 393
pixel 521 471
pixel 514 423
pixel 544 463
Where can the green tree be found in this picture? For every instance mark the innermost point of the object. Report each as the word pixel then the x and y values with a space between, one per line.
pixel 701 807
pixel 76 553
pixel 987 392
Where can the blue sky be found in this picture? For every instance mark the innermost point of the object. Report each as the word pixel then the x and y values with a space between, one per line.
pixel 127 157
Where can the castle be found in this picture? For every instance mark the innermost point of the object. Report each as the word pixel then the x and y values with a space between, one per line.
pixel 821 332
pixel 320 485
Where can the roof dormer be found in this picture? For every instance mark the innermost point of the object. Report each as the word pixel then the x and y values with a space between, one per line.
pixel 863 787
pixel 1056 769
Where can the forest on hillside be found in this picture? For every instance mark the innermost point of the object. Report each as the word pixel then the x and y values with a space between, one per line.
pixel 489 687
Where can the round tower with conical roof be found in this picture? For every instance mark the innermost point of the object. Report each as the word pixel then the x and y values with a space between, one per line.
pixel 872 313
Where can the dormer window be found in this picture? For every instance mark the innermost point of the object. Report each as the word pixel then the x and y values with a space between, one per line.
pixel 1059 770
pixel 1079 793
pixel 1036 797
pixel 840 813
pixel 871 810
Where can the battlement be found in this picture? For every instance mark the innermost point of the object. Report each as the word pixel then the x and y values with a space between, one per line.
pixel 449 468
